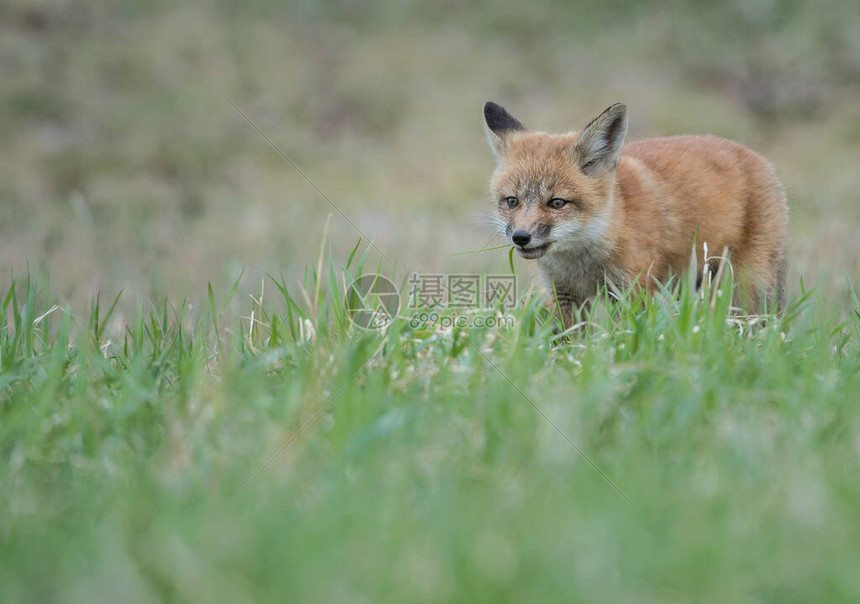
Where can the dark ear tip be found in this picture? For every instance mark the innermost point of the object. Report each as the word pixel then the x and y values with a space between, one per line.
pixel 499 120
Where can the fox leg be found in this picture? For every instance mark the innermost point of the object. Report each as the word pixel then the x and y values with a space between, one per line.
pixel 563 304
pixel 760 273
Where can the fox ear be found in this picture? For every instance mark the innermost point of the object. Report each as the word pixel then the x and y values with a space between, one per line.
pixel 499 124
pixel 599 144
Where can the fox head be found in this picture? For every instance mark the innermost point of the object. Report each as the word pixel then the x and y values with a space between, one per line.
pixel 554 192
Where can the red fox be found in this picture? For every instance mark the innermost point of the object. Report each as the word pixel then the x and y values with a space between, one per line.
pixel 588 209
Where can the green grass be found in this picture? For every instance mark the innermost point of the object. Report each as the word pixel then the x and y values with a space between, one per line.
pixel 185 456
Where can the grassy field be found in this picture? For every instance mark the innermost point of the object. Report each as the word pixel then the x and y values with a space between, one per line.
pixel 668 451
pixel 221 431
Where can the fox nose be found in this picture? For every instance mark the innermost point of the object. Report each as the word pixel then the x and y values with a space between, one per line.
pixel 521 238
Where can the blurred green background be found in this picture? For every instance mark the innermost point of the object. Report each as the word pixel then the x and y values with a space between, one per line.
pixel 124 165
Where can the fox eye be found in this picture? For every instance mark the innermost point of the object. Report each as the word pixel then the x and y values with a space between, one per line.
pixel 557 203
pixel 512 202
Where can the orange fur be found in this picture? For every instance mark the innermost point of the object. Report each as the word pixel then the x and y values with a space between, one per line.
pixel 632 213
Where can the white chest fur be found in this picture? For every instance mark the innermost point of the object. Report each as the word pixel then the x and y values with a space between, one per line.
pixel 578 261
